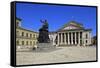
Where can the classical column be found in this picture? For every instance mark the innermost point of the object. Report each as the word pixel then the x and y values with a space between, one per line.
pixel 61 38
pixel 68 38
pixel 58 39
pixel 71 37
pixel 83 38
pixel 79 38
pixel 65 38
pixel 75 38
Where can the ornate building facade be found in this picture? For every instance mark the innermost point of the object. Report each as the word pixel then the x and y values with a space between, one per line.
pixel 25 38
pixel 71 34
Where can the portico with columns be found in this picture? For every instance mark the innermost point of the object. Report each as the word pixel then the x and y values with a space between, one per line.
pixel 69 38
pixel 72 34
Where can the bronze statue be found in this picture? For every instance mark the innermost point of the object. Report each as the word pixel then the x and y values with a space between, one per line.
pixel 44 33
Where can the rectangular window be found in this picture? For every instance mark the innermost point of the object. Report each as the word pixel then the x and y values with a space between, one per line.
pixel 17 42
pixel 86 41
pixel 22 42
pixel 86 35
pixel 22 33
pixel 33 35
pixel 26 34
pixel 30 42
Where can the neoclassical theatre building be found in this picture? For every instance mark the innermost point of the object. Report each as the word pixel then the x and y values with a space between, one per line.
pixel 24 37
pixel 71 34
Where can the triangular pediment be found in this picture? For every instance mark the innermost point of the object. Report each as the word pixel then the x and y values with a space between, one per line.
pixel 72 25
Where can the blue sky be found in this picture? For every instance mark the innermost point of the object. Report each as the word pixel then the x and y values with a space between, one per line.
pixel 56 15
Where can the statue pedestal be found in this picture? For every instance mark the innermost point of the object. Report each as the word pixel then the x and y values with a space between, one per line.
pixel 45 45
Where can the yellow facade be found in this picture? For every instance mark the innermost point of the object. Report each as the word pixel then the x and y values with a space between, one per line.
pixel 25 37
